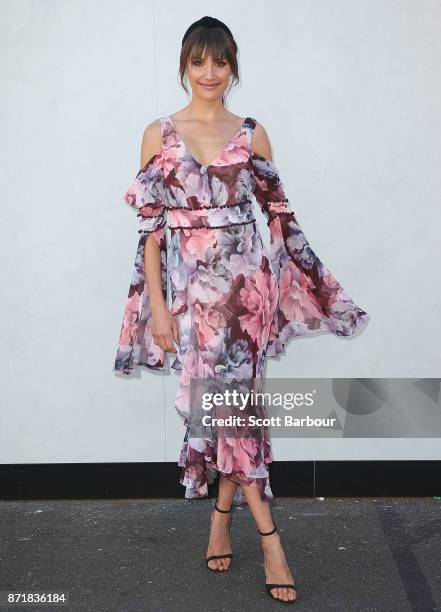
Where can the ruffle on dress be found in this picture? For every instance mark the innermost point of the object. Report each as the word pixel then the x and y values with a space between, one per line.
pixel 311 300
pixel 136 346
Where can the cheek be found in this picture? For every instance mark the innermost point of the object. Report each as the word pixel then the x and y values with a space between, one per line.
pixel 224 75
pixel 191 72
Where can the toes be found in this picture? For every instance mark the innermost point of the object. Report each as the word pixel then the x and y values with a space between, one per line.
pixel 219 564
pixel 283 594
pixel 288 594
pixel 213 564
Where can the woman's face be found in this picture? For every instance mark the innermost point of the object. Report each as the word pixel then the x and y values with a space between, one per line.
pixel 208 78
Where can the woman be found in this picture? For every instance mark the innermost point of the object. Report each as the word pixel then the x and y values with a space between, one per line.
pixel 233 302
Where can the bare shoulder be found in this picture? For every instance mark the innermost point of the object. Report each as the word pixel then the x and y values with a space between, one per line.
pixel 260 142
pixel 151 141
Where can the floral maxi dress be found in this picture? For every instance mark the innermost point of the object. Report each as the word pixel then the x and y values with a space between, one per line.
pixel 236 302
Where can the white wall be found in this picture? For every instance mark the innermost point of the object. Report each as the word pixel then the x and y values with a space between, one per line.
pixel 349 93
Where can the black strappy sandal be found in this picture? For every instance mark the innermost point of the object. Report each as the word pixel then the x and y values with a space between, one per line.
pixel 269 587
pixel 227 556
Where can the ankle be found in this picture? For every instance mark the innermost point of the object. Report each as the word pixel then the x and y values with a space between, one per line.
pixel 223 507
pixel 268 531
pixel 220 517
pixel 271 540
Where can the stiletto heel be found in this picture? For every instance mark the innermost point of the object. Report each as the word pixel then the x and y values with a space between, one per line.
pixel 269 587
pixel 227 556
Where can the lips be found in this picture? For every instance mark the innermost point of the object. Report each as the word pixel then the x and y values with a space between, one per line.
pixel 210 86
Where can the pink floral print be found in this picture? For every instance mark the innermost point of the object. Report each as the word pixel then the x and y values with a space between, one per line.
pixel 236 302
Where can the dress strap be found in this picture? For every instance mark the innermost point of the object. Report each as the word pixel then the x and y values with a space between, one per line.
pixel 250 124
pixel 165 122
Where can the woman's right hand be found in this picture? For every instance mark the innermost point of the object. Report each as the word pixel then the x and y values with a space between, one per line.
pixel 164 329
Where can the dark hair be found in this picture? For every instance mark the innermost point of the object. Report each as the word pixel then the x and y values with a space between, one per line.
pixel 217 43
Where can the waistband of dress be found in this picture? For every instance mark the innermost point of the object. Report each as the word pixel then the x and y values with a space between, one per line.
pixel 196 227
pixel 206 206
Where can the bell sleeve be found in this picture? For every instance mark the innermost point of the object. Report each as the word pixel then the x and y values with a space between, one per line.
pixel 146 196
pixel 311 300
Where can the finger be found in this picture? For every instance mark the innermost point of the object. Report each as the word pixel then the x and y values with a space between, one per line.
pixel 169 344
pixel 175 330
pixel 159 340
pixel 164 342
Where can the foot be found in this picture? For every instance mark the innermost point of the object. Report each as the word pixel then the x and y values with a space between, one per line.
pixel 276 567
pixel 219 543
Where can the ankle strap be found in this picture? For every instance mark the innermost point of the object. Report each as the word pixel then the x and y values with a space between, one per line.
pixel 219 510
pixel 268 532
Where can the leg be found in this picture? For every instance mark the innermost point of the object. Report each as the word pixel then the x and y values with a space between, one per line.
pixel 220 542
pixel 276 567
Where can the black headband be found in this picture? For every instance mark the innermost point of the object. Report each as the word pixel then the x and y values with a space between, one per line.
pixel 208 22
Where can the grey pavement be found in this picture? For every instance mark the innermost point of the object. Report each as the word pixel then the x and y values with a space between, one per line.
pixel 148 554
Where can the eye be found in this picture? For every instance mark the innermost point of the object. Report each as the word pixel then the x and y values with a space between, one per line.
pixel 198 62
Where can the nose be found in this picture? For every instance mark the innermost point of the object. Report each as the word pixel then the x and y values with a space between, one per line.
pixel 209 72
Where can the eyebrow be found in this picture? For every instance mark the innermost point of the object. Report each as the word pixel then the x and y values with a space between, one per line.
pixel 216 59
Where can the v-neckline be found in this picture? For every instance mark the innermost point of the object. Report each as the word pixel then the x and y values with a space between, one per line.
pixel 187 150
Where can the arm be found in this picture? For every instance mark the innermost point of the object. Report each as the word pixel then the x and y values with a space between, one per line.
pixel 164 326
pixel 267 185
pixel 260 143
pixel 310 297
pixel 151 144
